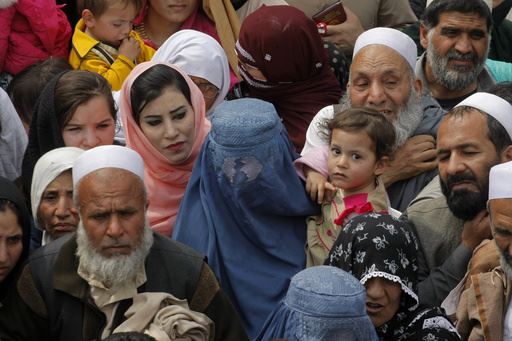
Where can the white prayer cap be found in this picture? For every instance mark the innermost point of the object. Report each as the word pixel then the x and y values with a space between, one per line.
pixel 394 39
pixel 492 105
pixel 108 157
pixel 488 2
pixel 500 181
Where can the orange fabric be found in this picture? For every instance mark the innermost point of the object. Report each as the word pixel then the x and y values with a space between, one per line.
pixel 165 183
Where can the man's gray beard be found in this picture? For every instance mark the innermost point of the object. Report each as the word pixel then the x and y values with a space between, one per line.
pixel 117 270
pixel 449 78
pixel 408 117
pixel 507 268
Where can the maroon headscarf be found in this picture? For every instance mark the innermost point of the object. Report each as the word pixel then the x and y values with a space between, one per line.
pixel 285 46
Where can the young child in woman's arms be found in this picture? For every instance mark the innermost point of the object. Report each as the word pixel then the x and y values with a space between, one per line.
pixel 361 142
pixel 104 42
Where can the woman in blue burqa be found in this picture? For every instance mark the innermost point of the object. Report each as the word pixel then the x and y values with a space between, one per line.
pixel 245 208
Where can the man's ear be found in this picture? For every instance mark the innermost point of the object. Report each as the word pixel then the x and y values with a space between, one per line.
pixel 506 154
pixel 418 86
pixel 381 165
pixel 423 36
pixel 88 18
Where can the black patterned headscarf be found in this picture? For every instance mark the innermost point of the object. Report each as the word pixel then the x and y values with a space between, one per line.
pixel 379 245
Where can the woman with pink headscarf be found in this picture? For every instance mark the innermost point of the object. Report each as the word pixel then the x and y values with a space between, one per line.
pixel 163 114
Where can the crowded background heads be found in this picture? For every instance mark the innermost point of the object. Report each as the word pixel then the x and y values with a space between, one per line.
pixel 282 58
pixel 203 59
pixel 164 119
pixel 13 139
pixel 26 86
pixel 157 21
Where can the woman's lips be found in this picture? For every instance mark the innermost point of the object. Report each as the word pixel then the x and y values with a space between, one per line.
pixel 176 147
pixel 373 308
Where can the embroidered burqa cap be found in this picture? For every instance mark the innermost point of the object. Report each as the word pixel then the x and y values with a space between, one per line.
pixel 394 39
pixel 492 105
pixel 108 157
pixel 500 184
pixel 322 303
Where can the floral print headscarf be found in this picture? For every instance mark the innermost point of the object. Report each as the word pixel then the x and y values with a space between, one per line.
pixel 379 245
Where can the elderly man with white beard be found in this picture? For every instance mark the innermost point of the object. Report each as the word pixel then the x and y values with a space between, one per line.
pixel 82 287
pixel 484 311
pixel 382 77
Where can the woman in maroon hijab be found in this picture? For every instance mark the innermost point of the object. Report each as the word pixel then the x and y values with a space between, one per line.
pixel 282 58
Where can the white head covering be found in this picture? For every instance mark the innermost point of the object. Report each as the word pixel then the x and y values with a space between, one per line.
pixel 394 39
pixel 500 181
pixel 110 156
pixel 488 2
pixel 13 139
pixel 492 105
pixel 198 55
pixel 48 168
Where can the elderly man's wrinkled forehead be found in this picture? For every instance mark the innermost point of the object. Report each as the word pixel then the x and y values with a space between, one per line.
pixel 379 59
pixel 108 180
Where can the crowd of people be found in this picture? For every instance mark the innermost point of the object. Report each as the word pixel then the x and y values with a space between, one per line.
pixel 236 170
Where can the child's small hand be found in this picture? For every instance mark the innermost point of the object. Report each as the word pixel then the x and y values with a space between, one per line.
pixel 130 48
pixel 318 188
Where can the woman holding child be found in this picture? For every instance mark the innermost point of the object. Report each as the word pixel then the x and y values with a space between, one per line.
pixel 163 115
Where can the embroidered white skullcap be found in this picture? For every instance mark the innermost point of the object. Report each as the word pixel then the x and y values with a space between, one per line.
pixel 394 39
pixel 108 157
pixel 492 105
pixel 500 181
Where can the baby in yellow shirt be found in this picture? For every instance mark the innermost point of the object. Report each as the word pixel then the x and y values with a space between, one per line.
pixel 104 42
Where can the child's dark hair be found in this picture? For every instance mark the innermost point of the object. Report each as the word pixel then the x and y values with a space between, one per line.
pixel 26 86
pixel 367 120
pixel 98 7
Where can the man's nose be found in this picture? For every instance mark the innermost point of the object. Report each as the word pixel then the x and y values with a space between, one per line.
pixel 376 95
pixel 114 228
pixel 463 44
pixel 455 164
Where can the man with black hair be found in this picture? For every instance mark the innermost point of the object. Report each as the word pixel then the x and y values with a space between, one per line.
pixel 456 36
pixel 473 137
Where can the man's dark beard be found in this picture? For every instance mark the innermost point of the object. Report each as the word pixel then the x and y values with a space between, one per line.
pixel 465 204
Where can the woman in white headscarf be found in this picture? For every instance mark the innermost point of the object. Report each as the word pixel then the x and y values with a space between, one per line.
pixel 52 193
pixel 203 59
